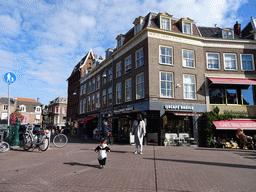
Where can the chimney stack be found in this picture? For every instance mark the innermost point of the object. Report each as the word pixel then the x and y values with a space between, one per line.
pixel 38 100
pixel 237 28
pixel 95 56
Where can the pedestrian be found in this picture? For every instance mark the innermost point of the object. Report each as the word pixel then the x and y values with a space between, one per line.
pixel 138 130
pixel 102 150
pixel 106 128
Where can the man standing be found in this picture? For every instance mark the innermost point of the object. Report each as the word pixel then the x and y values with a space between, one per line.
pixel 138 130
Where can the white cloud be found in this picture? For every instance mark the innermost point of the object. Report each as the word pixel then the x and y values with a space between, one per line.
pixel 9 26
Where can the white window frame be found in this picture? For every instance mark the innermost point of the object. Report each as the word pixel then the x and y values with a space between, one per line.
pixel 64 110
pixel 164 25
pixel 38 109
pixel 119 69
pixel 23 108
pixel 140 94
pixel 140 57
pixel 184 87
pixel 118 93
pixel 185 27
pixel 137 28
pixel 225 34
pixel 207 61
pixel 164 55
pixel 224 58
pixel 128 90
pixel 166 81
pixel 128 64
pixel 184 60
pixel 253 67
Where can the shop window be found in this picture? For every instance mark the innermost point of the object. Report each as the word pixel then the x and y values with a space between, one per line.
pixel 217 95
pixel 247 95
pixel 231 96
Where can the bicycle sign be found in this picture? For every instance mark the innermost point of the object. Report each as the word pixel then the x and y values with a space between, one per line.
pixel 9 77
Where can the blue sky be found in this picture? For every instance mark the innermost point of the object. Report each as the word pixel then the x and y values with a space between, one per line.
pixel 42 40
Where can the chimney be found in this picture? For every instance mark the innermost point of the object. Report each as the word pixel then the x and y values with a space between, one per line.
pixel 95 56
pixel 237 28
pixel 38 100
pixel 100 58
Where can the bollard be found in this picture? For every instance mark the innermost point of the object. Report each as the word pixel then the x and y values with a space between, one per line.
pixel 16 128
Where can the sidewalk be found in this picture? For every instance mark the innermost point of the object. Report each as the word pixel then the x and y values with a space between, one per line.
pixel 75 168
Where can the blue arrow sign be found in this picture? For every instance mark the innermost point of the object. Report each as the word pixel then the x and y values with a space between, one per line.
pixel 9 77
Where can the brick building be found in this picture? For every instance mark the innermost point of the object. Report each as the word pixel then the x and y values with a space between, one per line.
pixel 165 68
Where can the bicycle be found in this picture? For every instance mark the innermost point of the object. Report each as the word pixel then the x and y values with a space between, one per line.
pixel 110 139
pixel 60 140
pixel 38 140
pixel 4 146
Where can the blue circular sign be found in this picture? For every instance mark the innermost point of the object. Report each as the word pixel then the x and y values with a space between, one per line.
pixel 9 77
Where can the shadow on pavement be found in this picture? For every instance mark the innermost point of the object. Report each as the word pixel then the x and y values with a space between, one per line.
pixel 206 163
pixel 80 164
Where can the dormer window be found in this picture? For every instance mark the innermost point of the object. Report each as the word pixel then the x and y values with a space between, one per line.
pixel 38 109
pixel 138 24
pixel 186 25
pixel 23 108
pixel 187 28
pixel 109 52
pixel 120 40
pixel 165 23
pixel 227 34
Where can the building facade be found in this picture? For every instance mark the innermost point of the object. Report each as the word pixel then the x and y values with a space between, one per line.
pixel 163 68
pixel 4 109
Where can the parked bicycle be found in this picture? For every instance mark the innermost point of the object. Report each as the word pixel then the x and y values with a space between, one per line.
pixel 4 146
pixel 60 140
pixel 39 139
pixel 110 139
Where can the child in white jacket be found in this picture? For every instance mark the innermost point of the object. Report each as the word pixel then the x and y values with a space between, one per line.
pixel 102 150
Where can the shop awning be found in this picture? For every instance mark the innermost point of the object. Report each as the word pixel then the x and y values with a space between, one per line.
pixel 229 81
pixel 187 114
pixel 235 124
pixel 85 120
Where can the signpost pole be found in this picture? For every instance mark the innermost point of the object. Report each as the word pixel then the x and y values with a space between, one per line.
pixel 8 105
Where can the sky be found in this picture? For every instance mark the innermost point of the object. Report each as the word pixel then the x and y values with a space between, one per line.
pixel 42 40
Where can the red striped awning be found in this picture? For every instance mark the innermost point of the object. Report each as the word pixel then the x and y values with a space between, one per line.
pixel 215 80
pixel 235 124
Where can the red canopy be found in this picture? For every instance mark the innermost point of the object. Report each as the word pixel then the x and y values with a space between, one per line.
pixel 85 120
pixel 216 80
pixel 235 124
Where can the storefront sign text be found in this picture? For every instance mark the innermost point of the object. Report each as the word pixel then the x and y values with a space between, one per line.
pixel 179 107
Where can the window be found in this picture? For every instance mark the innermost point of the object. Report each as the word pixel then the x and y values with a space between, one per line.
pixel 57 110
pixel 5 107
pixel 104 98
pixel 110 74
pixel 238 95
pixel 64 110
pixel 23 108
pixel 90 87
pixel 128 64
pixel 165 23
pixel 81 107
pixel 140 86
pixel 89 104
pixel 187 28
pixel 81 91
pixel 213 60
pixel 189 86
pixel 118 69
pixel 166 55
pixel 110 99
pixel 188 58
pixel 119 43
pixel 84 107
pixel 104 76
pixel 227 34
pixel 230 61
pixel 166 83
pixel 93 85
pixel 247 62
pixel 93 102
pixel 98 82
pixel 118 93
pixel 128 90
pixel 84 88
pixel 38 109
pixel 137 28
pixel 139 58
pixel 98 98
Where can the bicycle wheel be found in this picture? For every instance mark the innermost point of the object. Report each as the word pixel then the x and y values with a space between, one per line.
pixel 60 140
pixel 27 142
pixel 4 147
pixel 45 144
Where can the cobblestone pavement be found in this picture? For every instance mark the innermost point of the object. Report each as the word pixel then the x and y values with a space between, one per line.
pixel 75 168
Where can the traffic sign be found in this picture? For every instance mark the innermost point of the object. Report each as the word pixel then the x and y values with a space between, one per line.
pixel 9 77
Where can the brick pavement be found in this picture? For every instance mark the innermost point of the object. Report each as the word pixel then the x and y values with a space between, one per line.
pixel 75 168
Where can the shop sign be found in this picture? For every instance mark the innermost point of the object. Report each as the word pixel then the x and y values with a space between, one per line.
pixel 178 107
pixel 124 109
